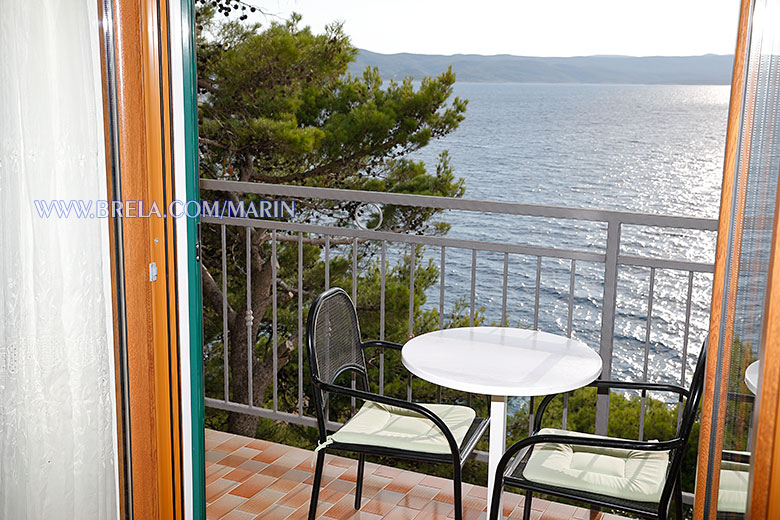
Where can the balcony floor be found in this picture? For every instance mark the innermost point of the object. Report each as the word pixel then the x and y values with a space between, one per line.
pixel 248 479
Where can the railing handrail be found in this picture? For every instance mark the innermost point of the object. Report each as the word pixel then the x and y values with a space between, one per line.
pixel 486 206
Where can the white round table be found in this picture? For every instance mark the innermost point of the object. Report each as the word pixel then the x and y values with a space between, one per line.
pixel 751 376
pixel 501 362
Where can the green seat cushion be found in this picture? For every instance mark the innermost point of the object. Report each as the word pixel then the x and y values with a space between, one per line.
pixel 627 474
pixel 399 428
pixel 733 490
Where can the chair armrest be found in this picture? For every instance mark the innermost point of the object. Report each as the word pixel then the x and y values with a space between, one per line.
pixel 391 401
pixel 628 385
pixel 379 343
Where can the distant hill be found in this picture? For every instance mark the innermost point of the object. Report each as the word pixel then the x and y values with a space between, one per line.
pixel 710 69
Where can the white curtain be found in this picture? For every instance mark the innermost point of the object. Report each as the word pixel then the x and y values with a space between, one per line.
pixel 57 429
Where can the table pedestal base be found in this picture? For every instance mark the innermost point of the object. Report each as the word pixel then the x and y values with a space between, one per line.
pixel 498 410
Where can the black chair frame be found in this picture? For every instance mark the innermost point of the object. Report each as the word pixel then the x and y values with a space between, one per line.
pixel 458 454
pixel 672 486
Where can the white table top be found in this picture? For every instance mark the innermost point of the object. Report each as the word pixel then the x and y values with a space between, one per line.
pixel 751 376
pixel 501 361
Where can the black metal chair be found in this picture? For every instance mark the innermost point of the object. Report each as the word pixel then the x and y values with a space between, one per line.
pixel 654 465
pixel 444 434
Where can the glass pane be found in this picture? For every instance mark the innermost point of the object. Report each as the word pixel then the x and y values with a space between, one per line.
pixel 755 192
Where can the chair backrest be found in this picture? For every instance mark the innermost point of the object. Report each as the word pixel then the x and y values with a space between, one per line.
pixel 333 343
pixel 686 424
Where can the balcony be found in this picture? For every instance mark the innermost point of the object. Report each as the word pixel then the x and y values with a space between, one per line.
pixel 256 479
pixel 607 283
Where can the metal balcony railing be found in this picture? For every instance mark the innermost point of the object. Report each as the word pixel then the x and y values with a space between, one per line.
pixel 609 256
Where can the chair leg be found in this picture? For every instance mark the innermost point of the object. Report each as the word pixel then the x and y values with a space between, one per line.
pixel 527 505
pixel 457 488
pixel 359 481
pixel 678 498
pixel 315 487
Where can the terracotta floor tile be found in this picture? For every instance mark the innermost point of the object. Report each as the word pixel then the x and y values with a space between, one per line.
pixel 222 506
pixel 581 513
pixel 235 459
pixel 418 497
pixel 557 511
pixel 340 461
pixel 214 456
pixel 385 471
pixel 336 490
pixel 328 473
pixel 341 510
pixel 238 515
pixel 253 485
pixel 437 482
pixel 404 481
pixel 259 444
pixel 275 470
pixel 302 513
pixel 382 503
pixel 373 484
pixel 232 444
pixel 539 504
pixel 218 488
pixel 238 474
pixel 289 480
pixel 478 491
pixel 298 497
pixel 435 511
pixel 401 513
pixel 475 503
pixel 255 466
pixel 271 453
pixel 275 512
pixel 215 472
pixel 261 501
pixel 446 494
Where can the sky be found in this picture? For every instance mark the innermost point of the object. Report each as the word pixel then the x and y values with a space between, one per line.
pixel 527 27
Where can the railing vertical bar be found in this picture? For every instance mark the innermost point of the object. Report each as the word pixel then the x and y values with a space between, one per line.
pixel 274 321
pixel 382 256
pixel 327 262
pixel 354 270
pixel 685 344
pixel 531 415
pixel 608 322
pixel 225 332
pixel 647 352
pixel 473 286
pixel 354 301
pixel 327 286
pixel 504 290
pixel 443 270
pixel 571 297
pixel 300 324
pixel 250 341
pixel 538 287
pixel 412 269
pixel 565 414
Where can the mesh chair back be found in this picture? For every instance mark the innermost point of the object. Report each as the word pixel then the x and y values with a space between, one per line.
pixel 333 336
pixel 334 346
